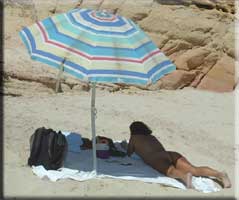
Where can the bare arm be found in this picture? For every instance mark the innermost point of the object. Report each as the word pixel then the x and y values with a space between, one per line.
pixel 130 148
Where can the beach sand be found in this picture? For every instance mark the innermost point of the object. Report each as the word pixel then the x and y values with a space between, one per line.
pixel 198 124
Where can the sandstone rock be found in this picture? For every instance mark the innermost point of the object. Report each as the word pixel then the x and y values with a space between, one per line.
pixel 110 5
pixel 16 19
pixel 138 3
pixel 47 81
pixel 93 4
pixel 158 39
pixel 220 5
pixel 223 39
pixel 229 41
pixel 139 16
pixel 175 55
pixel 156 86
pixel 191 59
pixel 177 79
pixel 197 80
pixel 197 58
pixel 174 2
pixel 16 87
pixel 204 4
pixel 209 61
pixel 16 3
pixel 114 89
pixel 135 13
pixel 71 81
pixel 160 18
pixel 221 77
pixel 134 88
pixel 81 87
pixel 42 9
pixel 111 87
pixel 175 45
pixel 65 87
pixel 197 38
pixel 224 5
pixel 62 6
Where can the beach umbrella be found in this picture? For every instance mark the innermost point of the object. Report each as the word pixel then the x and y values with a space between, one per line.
pixel 96 46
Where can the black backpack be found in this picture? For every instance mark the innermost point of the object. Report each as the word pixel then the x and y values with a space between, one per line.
pixel 47 148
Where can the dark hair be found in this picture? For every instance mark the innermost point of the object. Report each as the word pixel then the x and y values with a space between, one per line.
pixel 139 128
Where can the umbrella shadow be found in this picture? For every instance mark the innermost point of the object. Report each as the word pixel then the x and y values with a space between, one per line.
pixel 114 166
pixel 82 160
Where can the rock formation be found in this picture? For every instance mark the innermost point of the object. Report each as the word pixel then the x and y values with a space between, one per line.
pixel 198 36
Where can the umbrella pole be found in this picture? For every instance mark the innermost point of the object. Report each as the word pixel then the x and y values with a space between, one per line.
pixel 93 112
pixel 58 82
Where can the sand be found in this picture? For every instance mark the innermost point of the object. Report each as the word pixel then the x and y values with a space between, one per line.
pixel 198 124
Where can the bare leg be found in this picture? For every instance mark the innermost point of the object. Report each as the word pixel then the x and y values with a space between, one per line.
pixel 176 173
pixel 163 163
pixel 184 165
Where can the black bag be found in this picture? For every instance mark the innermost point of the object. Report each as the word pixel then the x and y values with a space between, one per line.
pixel 47 148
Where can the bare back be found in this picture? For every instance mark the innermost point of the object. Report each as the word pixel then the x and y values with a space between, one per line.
pixel 145 145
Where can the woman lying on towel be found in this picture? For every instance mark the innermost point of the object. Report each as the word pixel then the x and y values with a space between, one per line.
pixel 169 163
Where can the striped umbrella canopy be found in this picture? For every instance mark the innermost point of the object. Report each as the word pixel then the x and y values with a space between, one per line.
pixel 96 46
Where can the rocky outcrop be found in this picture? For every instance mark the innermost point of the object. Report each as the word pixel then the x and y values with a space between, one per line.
pixel 191 59
pixel 177 79
pixel 197 35
pixel 223 5
pixel 221 78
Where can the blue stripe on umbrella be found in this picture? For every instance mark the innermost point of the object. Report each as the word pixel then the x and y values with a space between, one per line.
pixel 94 38
pixel 35 51
pixel 85 71
pixel 85 16
pixel 118 80
pixel 159 66
pixel 100 32
pixel 50 23
pixel 99 79
pixel 56 65
pixel 138 52
pixel 25 41
pixel 168 70
pixel 119 72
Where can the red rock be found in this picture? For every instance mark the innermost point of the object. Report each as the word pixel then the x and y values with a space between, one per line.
pixel 158 39
pixel 175 45
pixel 209 62
pixel 197 80
pixel 156 86
pixel 221 78
pixel 191 59
pixel 177 79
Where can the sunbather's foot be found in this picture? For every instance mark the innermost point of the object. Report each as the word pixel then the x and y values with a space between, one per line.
pixel 224 179
pixel 189 177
